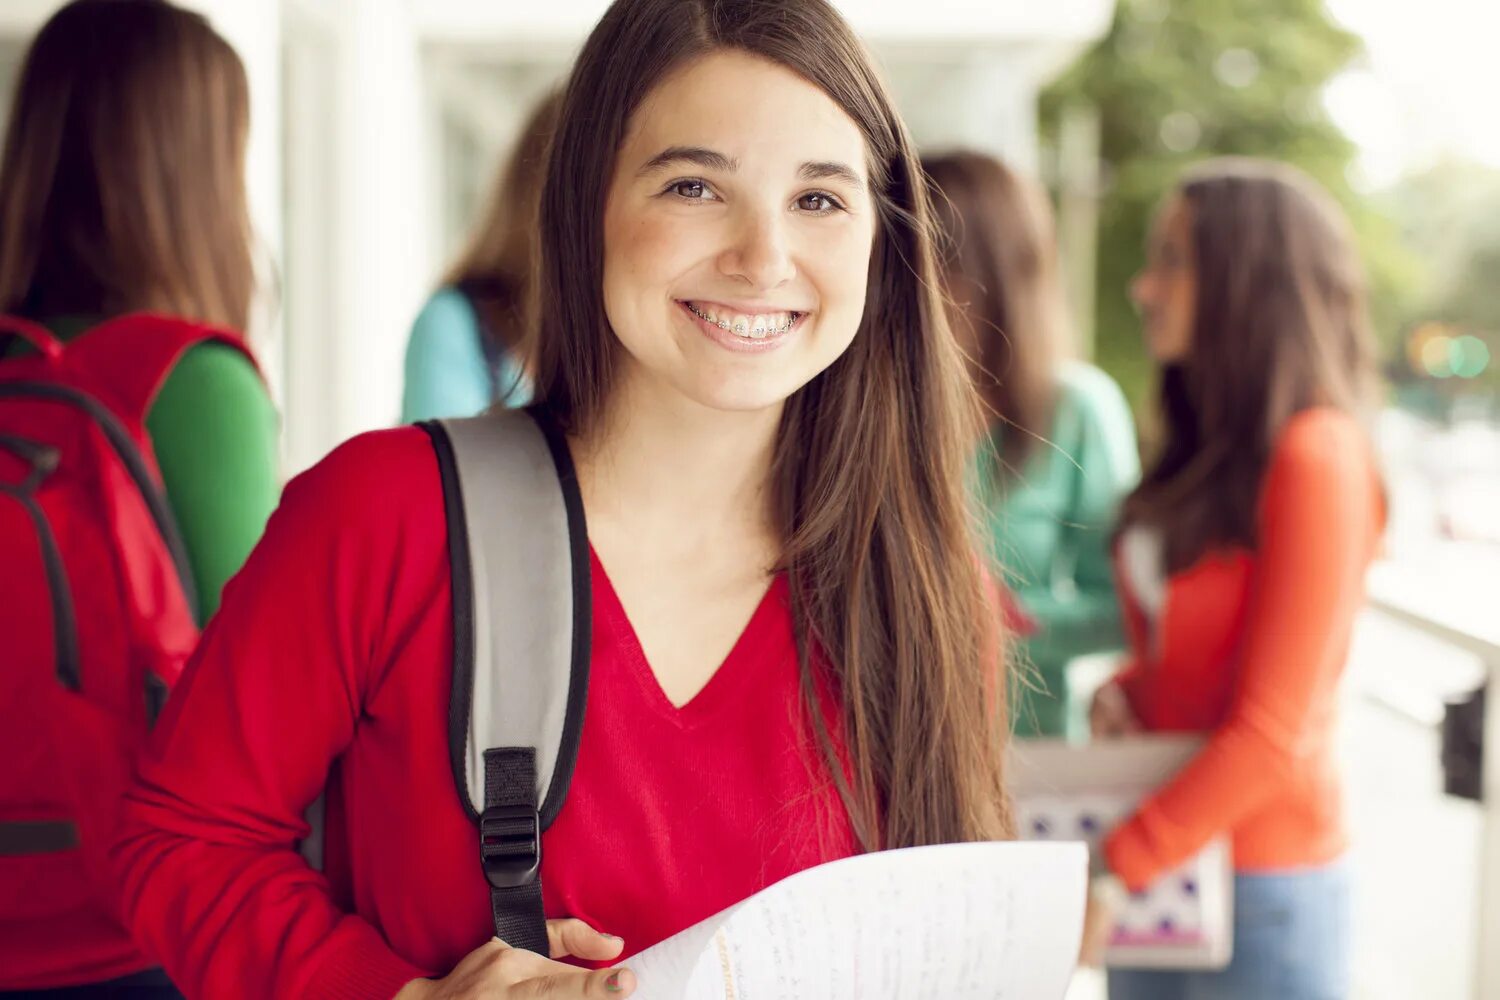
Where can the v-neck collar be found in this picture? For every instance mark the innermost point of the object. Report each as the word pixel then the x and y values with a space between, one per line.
pixel 737 669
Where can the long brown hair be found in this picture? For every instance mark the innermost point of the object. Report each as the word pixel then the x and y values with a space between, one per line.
pixel 122 185
pixel 1280 325
pixel 497 269
pixel 1000 267
pixel 868 466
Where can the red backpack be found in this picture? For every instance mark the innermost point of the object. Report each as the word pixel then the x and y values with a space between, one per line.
pixel 97 618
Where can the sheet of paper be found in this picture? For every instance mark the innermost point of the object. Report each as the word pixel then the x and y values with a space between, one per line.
pixel 956 922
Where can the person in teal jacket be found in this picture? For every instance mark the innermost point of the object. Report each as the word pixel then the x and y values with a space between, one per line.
pixel 468 345
pixel 1061 451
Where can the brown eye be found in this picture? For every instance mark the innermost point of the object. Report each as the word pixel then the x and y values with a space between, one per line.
pixel 818 203
pixel 692 190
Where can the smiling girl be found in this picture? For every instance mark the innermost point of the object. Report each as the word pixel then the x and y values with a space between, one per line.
pixel 793 654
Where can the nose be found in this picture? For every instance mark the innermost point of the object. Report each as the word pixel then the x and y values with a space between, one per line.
pixel 760 254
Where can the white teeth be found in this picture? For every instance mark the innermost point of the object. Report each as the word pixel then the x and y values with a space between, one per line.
pixel 756 327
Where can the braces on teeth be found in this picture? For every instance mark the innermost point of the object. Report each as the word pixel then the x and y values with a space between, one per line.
pixel 740 329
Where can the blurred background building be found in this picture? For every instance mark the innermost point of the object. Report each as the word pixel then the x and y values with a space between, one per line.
pixel 377 125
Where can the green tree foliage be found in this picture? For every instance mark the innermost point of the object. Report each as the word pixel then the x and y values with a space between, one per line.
pixel 1449 214
pixel 1176 81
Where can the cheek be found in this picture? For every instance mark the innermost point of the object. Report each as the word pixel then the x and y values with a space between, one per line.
pixel 1182 301
pixel 640 252
pixel 838 264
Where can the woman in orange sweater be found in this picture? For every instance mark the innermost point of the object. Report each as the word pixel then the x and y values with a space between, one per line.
pixel 1241 559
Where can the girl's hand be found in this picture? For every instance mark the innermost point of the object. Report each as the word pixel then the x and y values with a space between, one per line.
pixel 1110 714
pixel 1106 895
pixel 496 971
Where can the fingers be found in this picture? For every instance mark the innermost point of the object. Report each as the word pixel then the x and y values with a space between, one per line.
pixel 497 969
pixel 604 984
pixel 1096 721
pixel 508 966
pixel 1110 715
pixel 1098 927
pixel 576 939
pixel 1101 723
pixel 1099 714
pixel 479 959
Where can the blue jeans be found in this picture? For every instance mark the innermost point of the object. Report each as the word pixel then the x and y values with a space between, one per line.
pixel 1291 942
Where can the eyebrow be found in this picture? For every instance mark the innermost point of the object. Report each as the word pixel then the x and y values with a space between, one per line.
pixel 712 160
pixel 696 155
pixel 829 170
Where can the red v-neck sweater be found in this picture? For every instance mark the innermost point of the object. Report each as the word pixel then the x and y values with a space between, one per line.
pixel 330 659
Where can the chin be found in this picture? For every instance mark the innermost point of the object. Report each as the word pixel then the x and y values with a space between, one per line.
pixel 1164 354
pixel 747 385
pixel 741 395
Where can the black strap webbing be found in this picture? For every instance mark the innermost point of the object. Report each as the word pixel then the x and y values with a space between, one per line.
pixel 20 838
pixel 43 461
pixel 510 847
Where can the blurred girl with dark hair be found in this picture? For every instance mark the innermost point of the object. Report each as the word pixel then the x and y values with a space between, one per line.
pixel 469 344
pixel 1242 561
pixel 1060 452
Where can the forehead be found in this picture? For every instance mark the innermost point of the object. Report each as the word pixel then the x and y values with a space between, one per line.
pixel 747 107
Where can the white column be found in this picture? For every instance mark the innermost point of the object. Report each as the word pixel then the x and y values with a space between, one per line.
pixel 360 219
pixel 311 217
pixel 383 208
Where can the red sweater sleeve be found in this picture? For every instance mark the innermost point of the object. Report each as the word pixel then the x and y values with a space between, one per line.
pixel 1320 517
pixel 207 857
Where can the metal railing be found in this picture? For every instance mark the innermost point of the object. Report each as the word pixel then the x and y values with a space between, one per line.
pixel 1448 609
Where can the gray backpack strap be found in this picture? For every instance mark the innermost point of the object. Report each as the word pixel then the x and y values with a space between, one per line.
pixel 519 559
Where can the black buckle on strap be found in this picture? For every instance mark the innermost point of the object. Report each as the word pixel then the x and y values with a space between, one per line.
pixel 510 845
